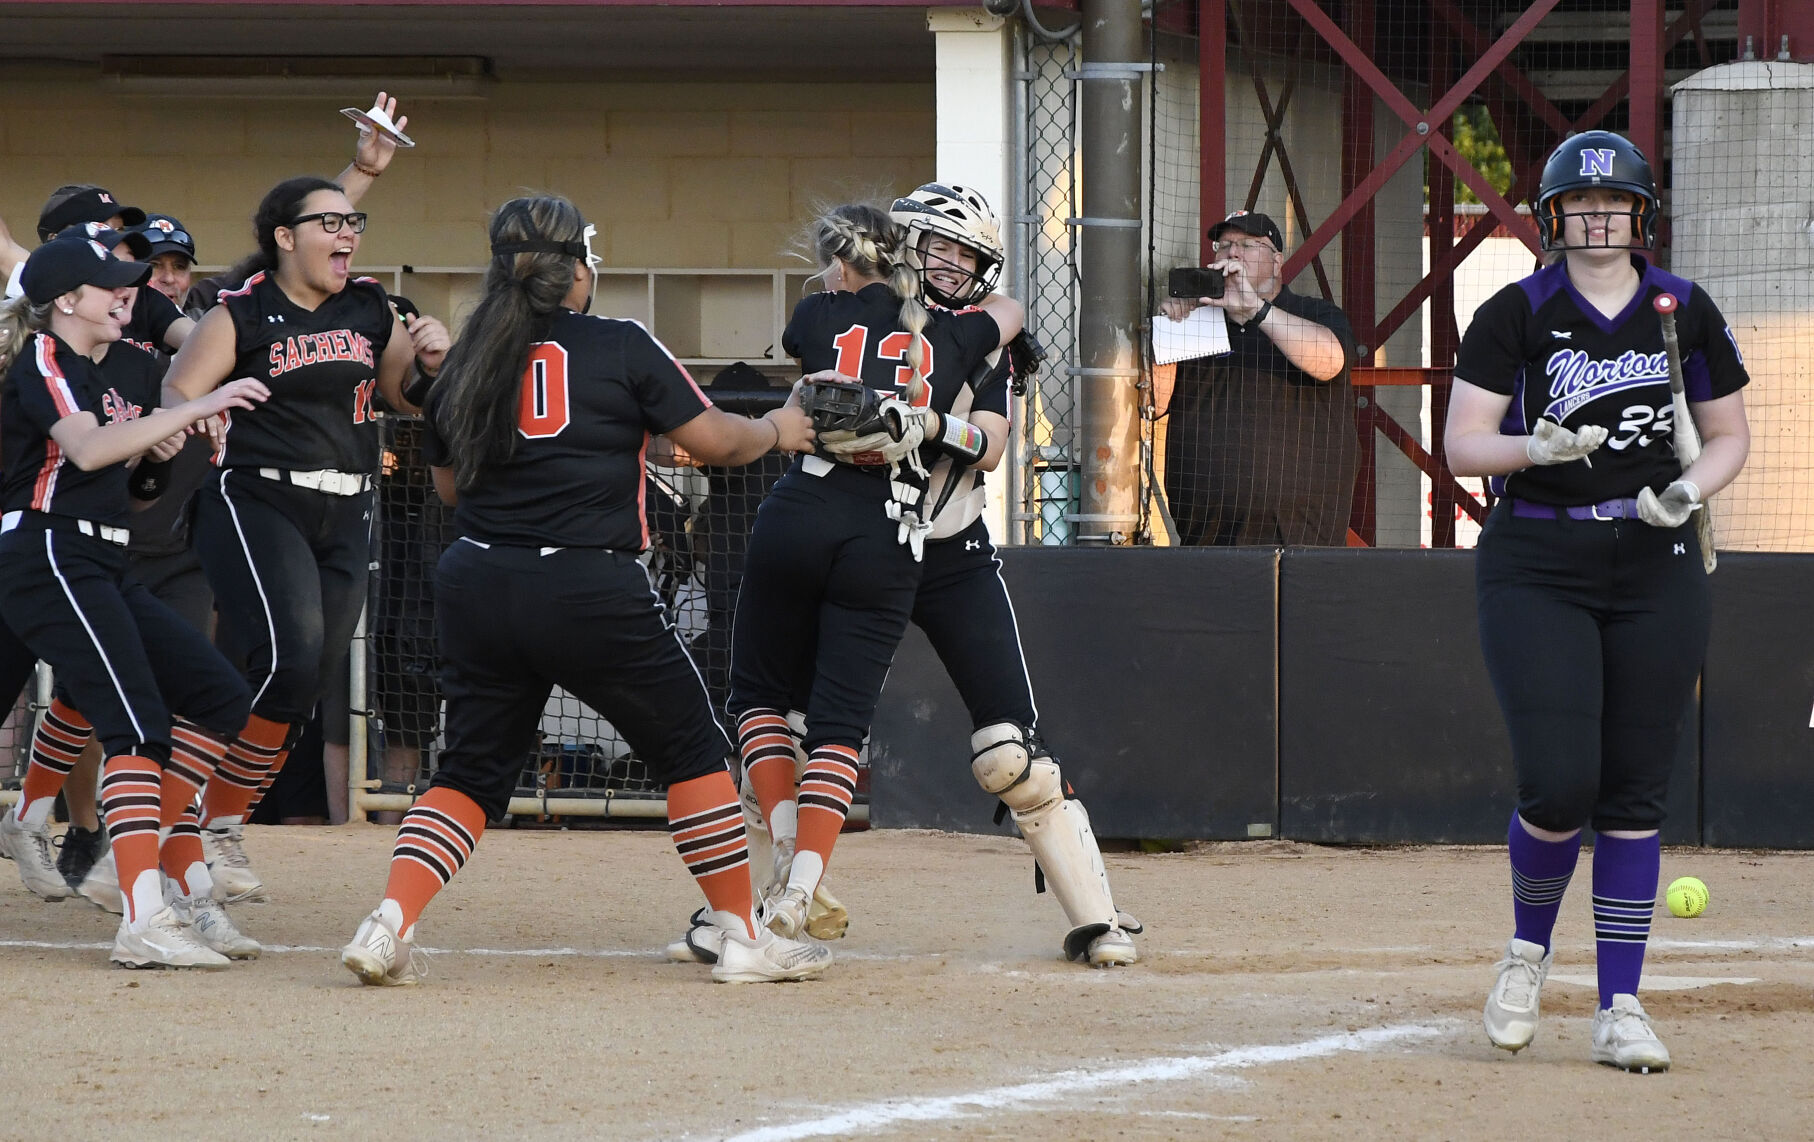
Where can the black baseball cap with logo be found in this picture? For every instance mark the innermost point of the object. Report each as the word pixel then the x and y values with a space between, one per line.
pixel 70 261
pixel 166 235
pixel 1248 222
pixel 78 203
pixel 137 243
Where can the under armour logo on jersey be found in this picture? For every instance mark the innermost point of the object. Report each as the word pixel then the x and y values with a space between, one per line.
pixel 1597 162
pixel 973 545
pixel 274 318
pixel 1681 549
pixel 1562 334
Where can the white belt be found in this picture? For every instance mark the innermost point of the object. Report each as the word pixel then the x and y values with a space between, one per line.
pixel 322 480
pixel 111 534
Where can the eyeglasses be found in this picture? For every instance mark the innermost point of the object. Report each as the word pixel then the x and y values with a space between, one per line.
pixel 332 220
pixel 1246 247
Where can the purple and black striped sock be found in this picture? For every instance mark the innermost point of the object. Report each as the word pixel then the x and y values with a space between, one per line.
pixel 1625 896
pixel 1540 874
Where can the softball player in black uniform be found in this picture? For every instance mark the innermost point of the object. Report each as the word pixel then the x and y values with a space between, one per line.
pixel 283 527
pixel 537 433
pixel 1594 608
pixel 834 559
pixel 126 659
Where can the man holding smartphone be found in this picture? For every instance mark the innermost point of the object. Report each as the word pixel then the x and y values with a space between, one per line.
pixel 1261 445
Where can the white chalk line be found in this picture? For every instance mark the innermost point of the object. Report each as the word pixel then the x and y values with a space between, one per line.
pixel 1026 1096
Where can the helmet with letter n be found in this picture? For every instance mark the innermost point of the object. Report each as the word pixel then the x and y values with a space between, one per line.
pixel 1596 159
pixel 962 215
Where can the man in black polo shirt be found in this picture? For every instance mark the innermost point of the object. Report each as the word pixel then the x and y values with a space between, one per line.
pixel 1261 445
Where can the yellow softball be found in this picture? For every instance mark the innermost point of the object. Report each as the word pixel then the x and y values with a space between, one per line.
pixel 1687 897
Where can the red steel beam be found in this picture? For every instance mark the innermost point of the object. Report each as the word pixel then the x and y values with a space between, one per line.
pixel 1647 77
pixel 1476 42
pixel 1212 120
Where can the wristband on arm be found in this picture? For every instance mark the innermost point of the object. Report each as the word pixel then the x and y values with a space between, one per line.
pixel 961 439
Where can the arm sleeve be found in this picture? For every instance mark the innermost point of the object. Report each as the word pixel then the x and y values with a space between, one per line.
pixel 978 333
pixel 1712 366
pixel 666 391
pixel 49 389
pixel 992 391
pixel 1491 354
pixel 800 326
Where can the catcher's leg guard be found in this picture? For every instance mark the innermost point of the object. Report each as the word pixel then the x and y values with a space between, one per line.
pixel 1056 829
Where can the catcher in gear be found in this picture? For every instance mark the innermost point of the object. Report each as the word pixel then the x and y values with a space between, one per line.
pixel 962 603
pixel 1594 608
pixel 834 559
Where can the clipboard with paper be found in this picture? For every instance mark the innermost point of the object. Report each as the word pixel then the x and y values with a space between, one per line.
pixel 1204 333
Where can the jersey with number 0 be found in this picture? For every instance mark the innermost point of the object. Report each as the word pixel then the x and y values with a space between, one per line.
pixel 48 382
pixel 322 368
pixel 1541 343
pixel 595 390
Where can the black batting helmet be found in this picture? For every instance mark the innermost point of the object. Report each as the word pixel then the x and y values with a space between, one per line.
pixel 1597 159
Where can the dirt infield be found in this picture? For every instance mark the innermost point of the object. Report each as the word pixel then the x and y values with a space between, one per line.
pixel 1287 992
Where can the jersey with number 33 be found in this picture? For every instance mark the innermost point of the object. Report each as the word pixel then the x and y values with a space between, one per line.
pixel 322 368
pixel 595 390
pixel 1541 343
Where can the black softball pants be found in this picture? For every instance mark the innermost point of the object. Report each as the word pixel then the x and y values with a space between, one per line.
pixel 288 566
pixel 963 607
pixel 1594 633
pixel 826 595
pixel 517 621
pixel 125 659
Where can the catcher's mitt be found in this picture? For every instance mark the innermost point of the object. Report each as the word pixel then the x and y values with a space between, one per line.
pixel 858 425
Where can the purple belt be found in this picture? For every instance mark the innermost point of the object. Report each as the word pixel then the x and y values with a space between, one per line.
pixel 1626 508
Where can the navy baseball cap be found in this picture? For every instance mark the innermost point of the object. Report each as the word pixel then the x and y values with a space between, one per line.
pixel 68 262
pixel 79 203
pixel 165 235
pixel 1247 222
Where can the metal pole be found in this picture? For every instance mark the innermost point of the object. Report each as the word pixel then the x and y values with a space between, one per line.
pixel 1020 257
pixel 1109 301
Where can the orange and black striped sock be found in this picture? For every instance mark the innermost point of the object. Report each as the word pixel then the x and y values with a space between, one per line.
pixel 437 835
pixel 826 791
pixel 129 803
pixel 194 756
pixel 55 746
pixel 765 746
pixel 260 747
pixel 706 821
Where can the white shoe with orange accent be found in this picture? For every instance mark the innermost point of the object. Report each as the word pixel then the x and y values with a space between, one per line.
pixel 768 959
pixel 382 958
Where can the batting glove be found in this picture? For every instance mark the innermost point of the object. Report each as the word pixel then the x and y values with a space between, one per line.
pixel 1672 508
pixel 1550 443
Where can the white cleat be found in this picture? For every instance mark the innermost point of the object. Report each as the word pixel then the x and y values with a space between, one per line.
pixel 783 851
pixel 1623 1038
pixel 701 943
pixel 380 957
pixel 1114 948
pixel 234 880
pixel 768 958
pixel 101 886
pixel 29 849
pixel 1512 1005
pixel 208 919
pixel 784 914
pixel 164 943
pixel 826 918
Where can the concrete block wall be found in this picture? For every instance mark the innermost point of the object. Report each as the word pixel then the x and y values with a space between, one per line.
pixel 675 175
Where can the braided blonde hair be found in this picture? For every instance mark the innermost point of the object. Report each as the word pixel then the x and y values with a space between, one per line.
pixel 876 246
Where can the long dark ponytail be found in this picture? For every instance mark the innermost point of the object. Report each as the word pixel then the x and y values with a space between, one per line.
pixel 481 380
